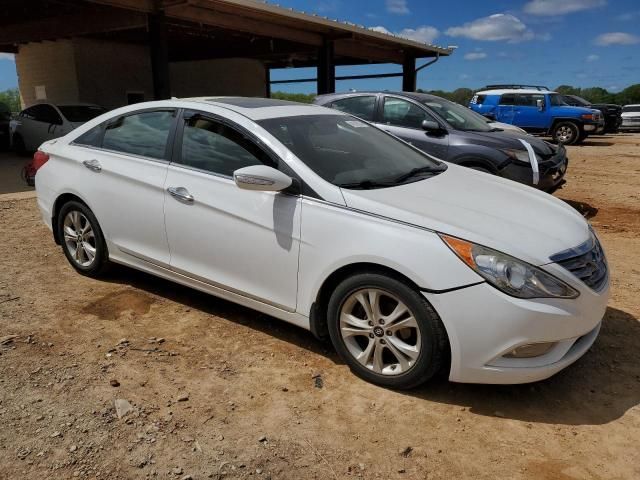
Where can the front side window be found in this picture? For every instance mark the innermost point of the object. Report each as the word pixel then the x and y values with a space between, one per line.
pixel 457 116
pixel 559 101
pixel 529 100
pixel 402 113
pixel 144 133
pixel 212 146
pixel 350 153
pixel 363 107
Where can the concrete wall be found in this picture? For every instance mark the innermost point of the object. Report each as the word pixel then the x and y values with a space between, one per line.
pixel 233 76
pixel 94 71
pixel 108 70
pixel 50 65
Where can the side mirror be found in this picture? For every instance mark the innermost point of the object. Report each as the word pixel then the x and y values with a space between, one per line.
pixel 540 104
pixel 261 177
pixel 431 126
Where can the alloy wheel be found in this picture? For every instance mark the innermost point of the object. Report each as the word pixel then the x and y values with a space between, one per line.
pixel 380 331
pixel 564 134
pixel 79 238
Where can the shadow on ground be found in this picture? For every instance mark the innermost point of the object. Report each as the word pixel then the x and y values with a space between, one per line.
pixel 586 210
pixel 599 388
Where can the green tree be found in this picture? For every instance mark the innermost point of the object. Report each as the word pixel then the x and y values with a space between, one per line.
pixel 11 98
pixel 294 97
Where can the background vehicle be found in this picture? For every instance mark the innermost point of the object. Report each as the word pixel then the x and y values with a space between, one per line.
pixel 5 118
pixel 456 134
pixel 320 219
pixel 611 113
pixel 630 117
pixel 45 121
pixel 537 111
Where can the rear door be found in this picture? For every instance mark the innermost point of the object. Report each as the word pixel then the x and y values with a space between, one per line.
pixel 527 114
pixel 122 167
pixel 504 111
pixel 241 241
pixel 404 118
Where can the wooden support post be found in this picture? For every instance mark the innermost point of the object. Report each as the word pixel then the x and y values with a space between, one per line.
pixel 159 52
pixel 409 74
pixel 326 68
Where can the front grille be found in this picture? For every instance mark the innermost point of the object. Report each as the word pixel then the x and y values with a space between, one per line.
pixel 587 262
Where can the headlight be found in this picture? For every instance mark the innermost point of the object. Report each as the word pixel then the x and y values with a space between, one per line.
pixel 516 155
pixel 509 275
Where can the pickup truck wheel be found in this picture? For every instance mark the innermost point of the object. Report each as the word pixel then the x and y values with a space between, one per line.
pixel 566 133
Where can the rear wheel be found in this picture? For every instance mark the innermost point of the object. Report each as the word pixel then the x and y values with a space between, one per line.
pixel 386 331
pixel 566 133
pixel 82 239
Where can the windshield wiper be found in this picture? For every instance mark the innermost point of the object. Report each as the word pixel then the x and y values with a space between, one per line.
pixel 366 185
pixel 419 171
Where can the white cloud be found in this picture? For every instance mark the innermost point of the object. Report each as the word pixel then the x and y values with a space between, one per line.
pixel 627 17
pixel 501 26
pixel 616 38
pixel 423 34
pixel 560 7
pixel 593 58
pixel 475 56
pixel 399 7
pixel 7 56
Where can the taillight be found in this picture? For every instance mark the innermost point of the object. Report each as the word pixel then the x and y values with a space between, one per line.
pixel 39 159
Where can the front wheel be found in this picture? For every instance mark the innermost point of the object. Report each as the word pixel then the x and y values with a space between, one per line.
pixel 566 133
pixel 82 239
pixel 386 331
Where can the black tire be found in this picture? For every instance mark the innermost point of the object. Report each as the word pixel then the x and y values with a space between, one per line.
pixel 433 341
pixel 566 133
pixel 19 146
pixel 100 262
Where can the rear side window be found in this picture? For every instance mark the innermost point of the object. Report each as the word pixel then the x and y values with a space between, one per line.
pixel 144 133
pixel 90 138
pixel 363 107
pixel 210 145
pixel 508 99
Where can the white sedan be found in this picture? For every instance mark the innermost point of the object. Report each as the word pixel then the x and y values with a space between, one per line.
pixel 408 264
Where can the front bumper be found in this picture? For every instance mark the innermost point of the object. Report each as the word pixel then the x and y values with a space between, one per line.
pixel 484 324
pixel 630 124
pixel 551 177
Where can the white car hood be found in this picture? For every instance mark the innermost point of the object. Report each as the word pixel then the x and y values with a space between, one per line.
pixel 482 208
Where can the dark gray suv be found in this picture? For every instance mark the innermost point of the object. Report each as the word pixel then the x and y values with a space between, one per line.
pixel 456 134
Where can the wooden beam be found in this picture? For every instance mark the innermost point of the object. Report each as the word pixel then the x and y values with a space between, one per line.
pixel 326 69
pixel 71 25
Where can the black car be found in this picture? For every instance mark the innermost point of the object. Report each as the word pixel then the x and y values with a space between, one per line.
pixel 5 118
pixel 456 134
pixel 611 112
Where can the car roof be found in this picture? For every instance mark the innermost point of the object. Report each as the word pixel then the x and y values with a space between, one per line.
pixel 513 90
pixel 257 108
pixel 421 97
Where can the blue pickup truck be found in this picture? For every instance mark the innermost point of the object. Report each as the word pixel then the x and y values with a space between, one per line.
pixel 538 110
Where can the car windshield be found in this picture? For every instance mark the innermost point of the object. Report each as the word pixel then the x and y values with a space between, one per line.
pixel 351 153
pixel 632 108
pixel 457 116
pixel 80 113
pixel 580 100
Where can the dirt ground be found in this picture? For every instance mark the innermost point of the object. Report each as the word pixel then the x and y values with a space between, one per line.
pixel 219 391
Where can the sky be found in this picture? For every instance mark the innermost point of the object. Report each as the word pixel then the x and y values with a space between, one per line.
pixel 548 42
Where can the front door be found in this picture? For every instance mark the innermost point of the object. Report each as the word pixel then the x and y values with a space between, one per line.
pixel 242 241
pixel 530 111
pixel 404 119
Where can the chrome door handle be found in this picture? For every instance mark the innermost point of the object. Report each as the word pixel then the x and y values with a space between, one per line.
pixel 93 165
pixel 180 193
